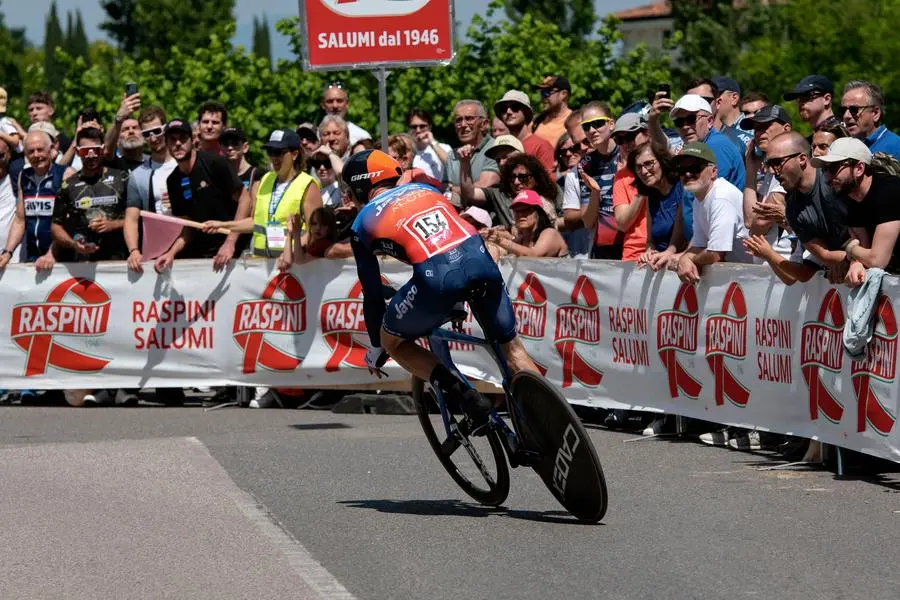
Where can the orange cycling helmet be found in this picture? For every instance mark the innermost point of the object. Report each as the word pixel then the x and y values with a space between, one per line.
pixel 365 170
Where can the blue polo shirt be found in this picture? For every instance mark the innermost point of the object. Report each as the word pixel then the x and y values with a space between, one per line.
pixel 728 159
pixel 884 140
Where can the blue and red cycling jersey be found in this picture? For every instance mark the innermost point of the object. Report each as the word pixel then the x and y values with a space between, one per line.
pixel 413 223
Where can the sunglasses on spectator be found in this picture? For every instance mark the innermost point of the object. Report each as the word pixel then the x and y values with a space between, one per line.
pixel 855 110
pixel 691 168
pixel 522 177
pixel 419 126
pixel 230 143
pixel 546 93
pixel 89 151
pixel 682 121
pixel 153 132
pixel 810 97
pixel 514 106
pixel 777 163
pixel 336 84
pixel 562 152
pixel 317 163
pixel 597 123
pixel 276 151
pixel 833 168
pixel 626 137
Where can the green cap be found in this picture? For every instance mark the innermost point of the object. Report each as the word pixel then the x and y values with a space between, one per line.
pixel 697 150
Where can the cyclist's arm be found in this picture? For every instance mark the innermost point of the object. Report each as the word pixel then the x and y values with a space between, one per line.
pixel 369 273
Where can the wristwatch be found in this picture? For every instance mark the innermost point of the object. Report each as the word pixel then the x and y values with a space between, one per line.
pixel 130 252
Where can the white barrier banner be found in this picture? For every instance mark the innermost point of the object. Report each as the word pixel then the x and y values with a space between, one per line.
pixel 740 348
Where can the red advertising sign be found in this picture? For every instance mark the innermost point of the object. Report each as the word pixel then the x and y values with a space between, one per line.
pixel 376 33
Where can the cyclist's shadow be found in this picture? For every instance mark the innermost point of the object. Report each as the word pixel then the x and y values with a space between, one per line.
pixel 458 508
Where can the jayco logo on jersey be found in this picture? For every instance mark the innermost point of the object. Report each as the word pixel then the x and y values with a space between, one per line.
pixel 405 305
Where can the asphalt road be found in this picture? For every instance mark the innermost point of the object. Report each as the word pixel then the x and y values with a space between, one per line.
pixel 240 503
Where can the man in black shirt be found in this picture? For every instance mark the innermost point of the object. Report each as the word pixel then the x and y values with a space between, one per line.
pixel 873 209
pixel 89 211
pixel 816 216
pixel 202 188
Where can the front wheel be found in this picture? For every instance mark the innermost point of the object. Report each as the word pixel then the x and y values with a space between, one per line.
pixel 568 462
pixel 476 464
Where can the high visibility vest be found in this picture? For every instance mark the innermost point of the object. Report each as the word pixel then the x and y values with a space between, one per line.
pixel 291 203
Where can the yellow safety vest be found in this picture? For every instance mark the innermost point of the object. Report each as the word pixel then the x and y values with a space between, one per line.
pixel 291 203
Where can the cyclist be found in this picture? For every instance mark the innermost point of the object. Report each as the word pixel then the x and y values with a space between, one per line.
pixel 415 224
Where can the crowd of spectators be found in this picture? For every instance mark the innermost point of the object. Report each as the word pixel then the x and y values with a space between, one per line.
pixel 674 182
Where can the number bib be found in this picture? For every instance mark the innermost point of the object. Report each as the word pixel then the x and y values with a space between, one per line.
pixel 434 230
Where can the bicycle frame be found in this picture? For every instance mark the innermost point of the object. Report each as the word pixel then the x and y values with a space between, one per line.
pixel 440 344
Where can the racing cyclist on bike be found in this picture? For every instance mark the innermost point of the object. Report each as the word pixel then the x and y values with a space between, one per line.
pixel 415 224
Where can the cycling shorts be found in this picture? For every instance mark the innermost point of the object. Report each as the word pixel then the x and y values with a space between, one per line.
pixel 439 282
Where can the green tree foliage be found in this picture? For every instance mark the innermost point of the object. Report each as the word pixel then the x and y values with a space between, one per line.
pixel 78 43
pixel 152 29
pixel 262 44
pixel 53 39
pixel 12 47
pixel 573 17
pixel 261 98
pixel 783 42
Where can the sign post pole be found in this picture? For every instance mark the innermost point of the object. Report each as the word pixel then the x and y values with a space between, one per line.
pixel 381 75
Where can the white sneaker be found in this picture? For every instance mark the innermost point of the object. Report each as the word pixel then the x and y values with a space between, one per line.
pixel 655 428
pixel 265 400
pixel 717 438
pixel 746 440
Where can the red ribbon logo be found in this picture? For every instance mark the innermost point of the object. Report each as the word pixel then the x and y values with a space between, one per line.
pixel 340 320
pixel 726 336
pixel 879 363
pixel 822 348
pixel 578 322
pixel 676 331
pixel 34 327
pixel 530 308
pixel 254 319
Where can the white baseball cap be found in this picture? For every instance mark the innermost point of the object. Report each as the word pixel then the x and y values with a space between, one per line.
pixel 479 215
pixel 846 148
pixel 691 103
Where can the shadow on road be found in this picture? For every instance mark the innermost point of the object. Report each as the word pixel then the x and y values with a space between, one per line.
pixel 458 508
pixel 317 426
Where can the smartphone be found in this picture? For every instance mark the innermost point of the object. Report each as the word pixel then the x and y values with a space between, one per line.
pixel 130 89
pixel 666 89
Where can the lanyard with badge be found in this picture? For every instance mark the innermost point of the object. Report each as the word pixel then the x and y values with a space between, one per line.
pixel 275 231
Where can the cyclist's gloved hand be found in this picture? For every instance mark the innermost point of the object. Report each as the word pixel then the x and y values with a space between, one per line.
pixel 375 359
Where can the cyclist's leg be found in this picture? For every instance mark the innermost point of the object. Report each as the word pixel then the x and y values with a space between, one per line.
pixel 495 314
pixel 413 312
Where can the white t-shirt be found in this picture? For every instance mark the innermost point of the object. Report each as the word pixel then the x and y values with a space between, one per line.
pixel 161 172
pixel 8 128
pixel 357 133
pixel 719 222
pixel 7 214
pixel 781 239
pixel 428 161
